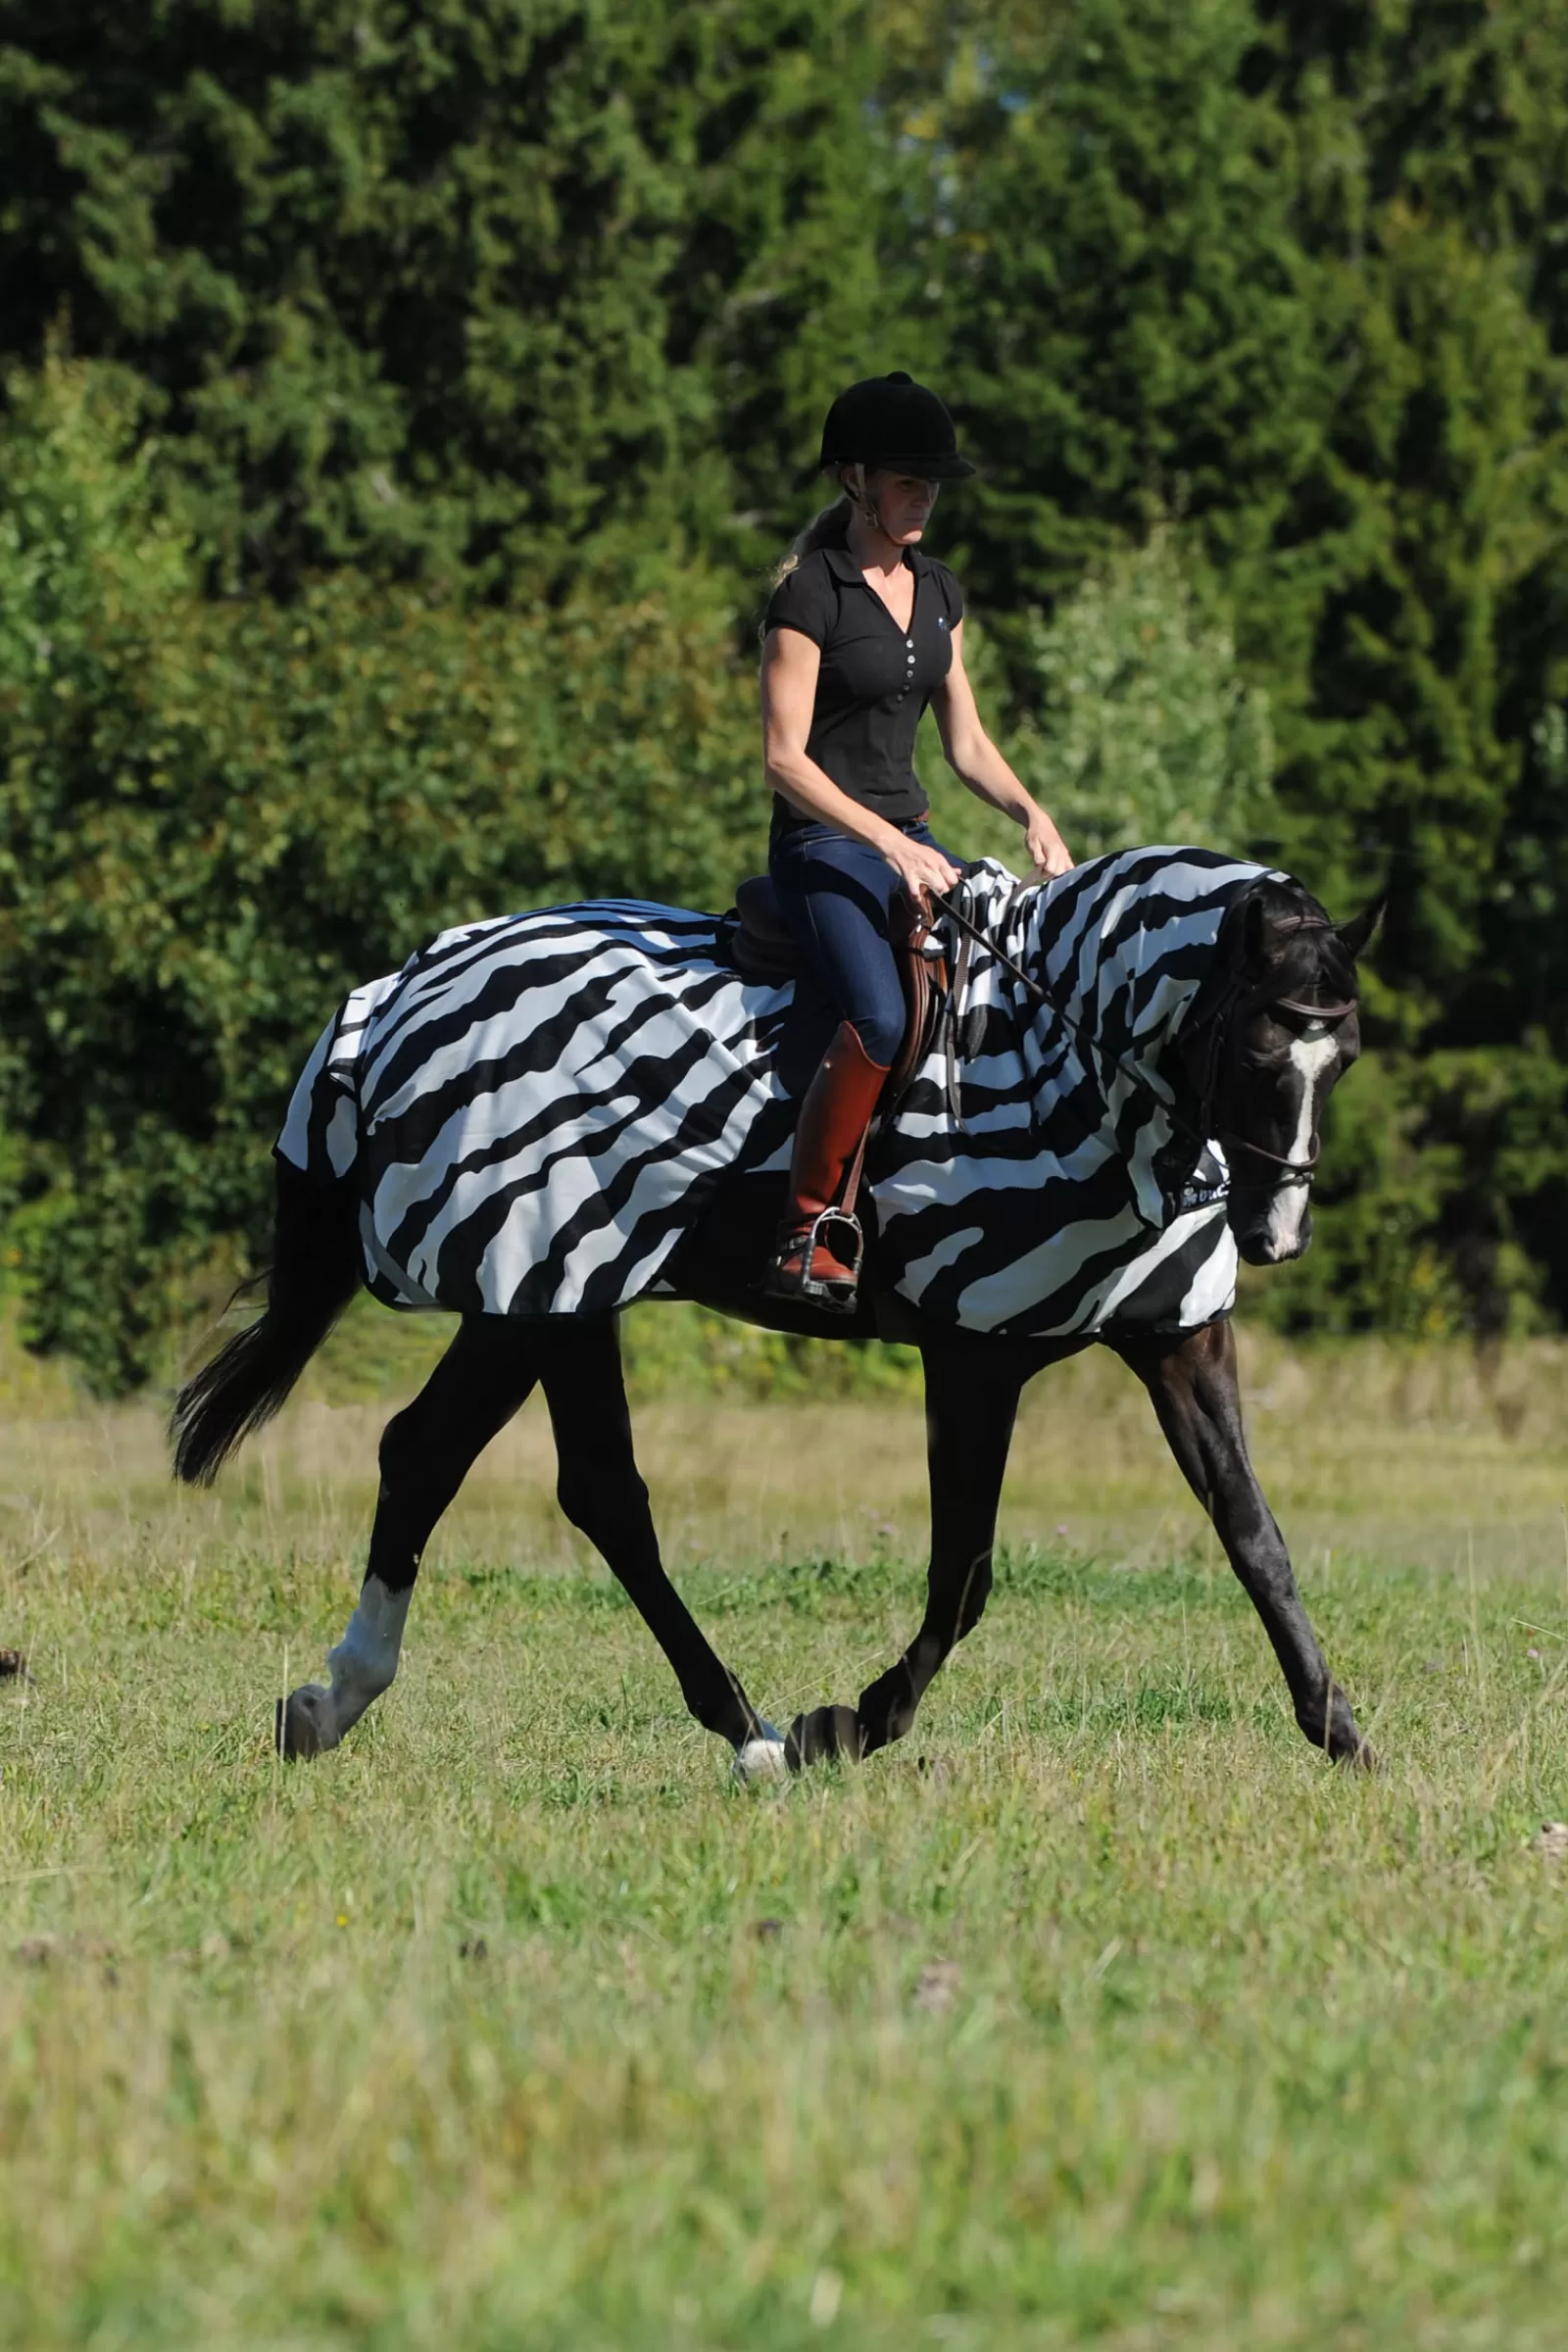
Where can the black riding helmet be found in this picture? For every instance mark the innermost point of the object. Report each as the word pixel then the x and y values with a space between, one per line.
pixel 890 420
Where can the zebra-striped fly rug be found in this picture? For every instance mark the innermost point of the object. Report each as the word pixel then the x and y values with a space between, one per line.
pixel 539 1107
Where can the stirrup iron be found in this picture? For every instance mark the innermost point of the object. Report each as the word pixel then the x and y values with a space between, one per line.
pixel 838 1296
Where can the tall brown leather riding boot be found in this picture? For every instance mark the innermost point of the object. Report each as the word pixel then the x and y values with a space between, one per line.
pixel 834 1116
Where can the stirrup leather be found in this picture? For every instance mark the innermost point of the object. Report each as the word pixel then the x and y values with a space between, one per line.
pixel 837 1293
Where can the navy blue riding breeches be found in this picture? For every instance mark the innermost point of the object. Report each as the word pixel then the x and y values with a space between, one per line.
pixel 837 896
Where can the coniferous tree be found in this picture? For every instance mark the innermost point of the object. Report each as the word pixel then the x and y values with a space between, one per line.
pixel 1431 140
pixel 457 284
pixel 1405 717
pixel 1127 319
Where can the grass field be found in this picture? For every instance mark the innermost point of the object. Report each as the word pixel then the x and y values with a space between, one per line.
pixel 1101 2012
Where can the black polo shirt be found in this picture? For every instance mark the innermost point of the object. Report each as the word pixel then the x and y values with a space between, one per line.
pixel 876 679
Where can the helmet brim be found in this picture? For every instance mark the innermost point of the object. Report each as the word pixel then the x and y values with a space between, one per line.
pixel 951 468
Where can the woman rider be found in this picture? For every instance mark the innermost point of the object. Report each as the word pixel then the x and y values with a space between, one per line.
pixel 861 633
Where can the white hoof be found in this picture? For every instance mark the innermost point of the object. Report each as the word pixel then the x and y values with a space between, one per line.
pixel 764 1758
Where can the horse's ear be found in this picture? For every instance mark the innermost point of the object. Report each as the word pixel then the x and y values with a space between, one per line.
pixel 1357 935
pixel 1256 928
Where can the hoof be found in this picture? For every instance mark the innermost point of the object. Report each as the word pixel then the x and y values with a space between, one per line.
pixel 825 1732
pixel 1335 1733
pixel 304 1724
pixel 1347 1750
pixel 763 1757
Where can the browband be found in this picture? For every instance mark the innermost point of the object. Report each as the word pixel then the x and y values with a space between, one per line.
pixel 1314 1013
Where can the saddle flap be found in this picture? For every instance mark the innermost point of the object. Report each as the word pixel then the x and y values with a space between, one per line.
pixel 923 976
pixel 762 946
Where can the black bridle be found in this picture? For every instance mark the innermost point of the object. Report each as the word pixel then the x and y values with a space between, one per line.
pixel 1233 1003
pixel 1230 1003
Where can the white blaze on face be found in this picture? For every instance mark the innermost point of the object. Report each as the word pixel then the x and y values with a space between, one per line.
pixel 1312 1058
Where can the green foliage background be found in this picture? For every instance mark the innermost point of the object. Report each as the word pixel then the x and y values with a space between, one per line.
pixel 404 405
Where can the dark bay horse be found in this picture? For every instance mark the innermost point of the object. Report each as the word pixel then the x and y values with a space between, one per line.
pixel 1269 1025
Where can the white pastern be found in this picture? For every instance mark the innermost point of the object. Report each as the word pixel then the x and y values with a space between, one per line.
pixel 365 1660
pixel 1312 1056
pixel 762 1758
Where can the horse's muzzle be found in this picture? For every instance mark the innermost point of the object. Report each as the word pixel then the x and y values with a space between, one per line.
pixel 1271 1228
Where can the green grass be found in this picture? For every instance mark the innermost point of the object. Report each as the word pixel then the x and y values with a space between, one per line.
pixel 1100 2012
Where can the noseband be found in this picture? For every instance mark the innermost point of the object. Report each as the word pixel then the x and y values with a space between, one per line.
pixel 1229 1005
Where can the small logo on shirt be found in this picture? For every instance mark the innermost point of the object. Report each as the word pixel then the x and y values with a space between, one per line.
pixel 941 621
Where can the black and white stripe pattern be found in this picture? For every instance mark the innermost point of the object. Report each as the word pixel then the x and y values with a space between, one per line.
pixel 538 1107
pixel 1066 1202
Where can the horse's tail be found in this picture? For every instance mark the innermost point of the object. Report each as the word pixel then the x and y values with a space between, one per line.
pixel 316 1270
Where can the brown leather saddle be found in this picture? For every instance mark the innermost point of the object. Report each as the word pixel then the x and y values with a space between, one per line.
pixel 761 947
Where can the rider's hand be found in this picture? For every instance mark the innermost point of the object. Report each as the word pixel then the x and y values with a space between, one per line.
pixel 1048 851
pixel 919 867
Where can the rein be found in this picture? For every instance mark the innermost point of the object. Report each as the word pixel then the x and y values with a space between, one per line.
pixel 982 939
pixel 1227 1004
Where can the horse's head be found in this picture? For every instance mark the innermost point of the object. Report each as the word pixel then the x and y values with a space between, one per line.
pixel 1269 1036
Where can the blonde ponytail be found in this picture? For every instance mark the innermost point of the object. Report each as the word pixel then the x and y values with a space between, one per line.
pixel 830 528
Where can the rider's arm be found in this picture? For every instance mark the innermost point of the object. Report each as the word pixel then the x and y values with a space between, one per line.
pixel 975 758
pixel 790 664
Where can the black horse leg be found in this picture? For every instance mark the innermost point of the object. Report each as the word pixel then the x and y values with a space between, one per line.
pixel 601 1492
pixel 972 1386
pixel 427 1452
pixel 1192 1383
